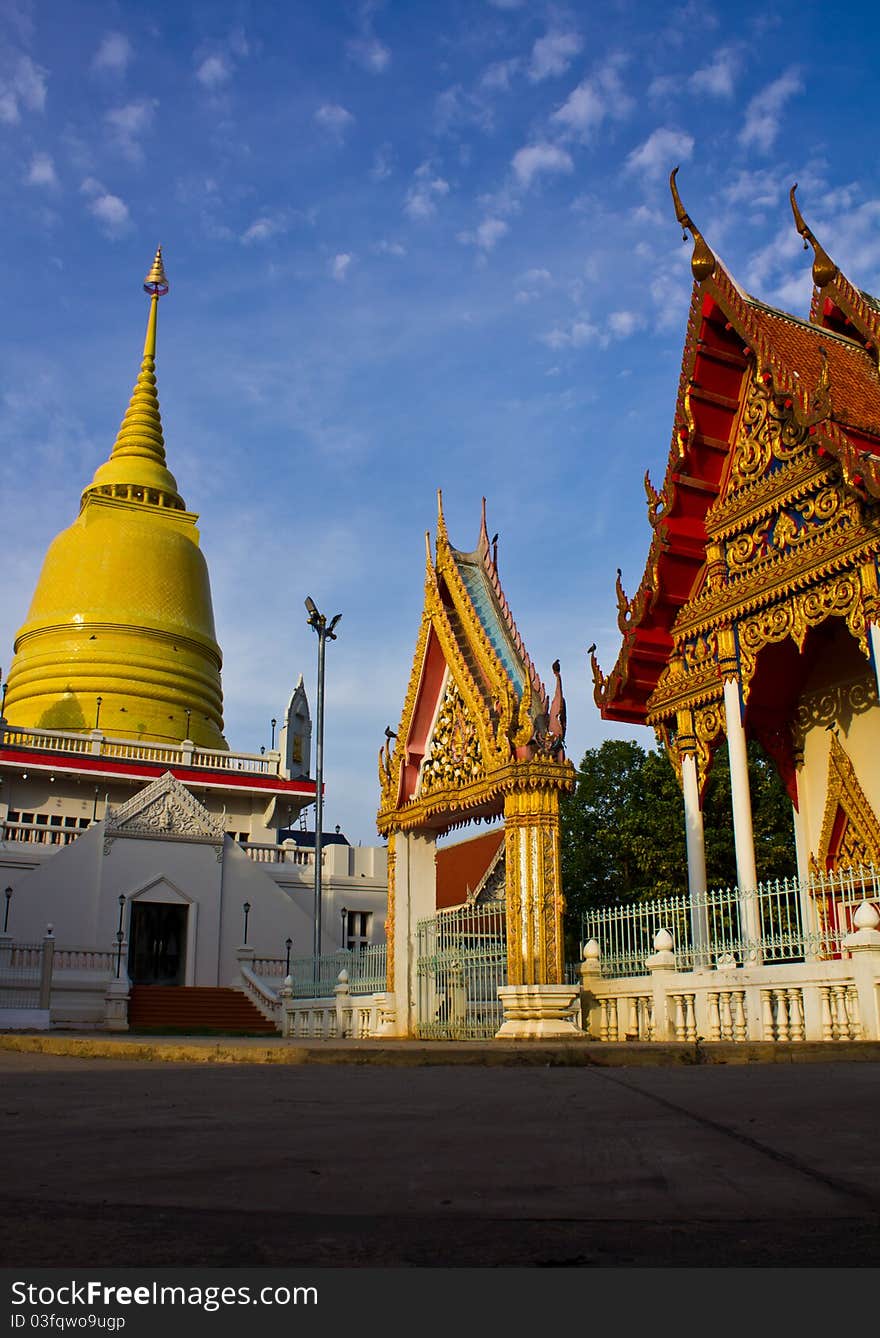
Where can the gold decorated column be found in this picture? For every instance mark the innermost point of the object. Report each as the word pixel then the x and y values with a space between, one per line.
pixel 534 887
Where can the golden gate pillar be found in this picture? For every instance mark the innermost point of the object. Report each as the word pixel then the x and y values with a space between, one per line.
pixel 478 738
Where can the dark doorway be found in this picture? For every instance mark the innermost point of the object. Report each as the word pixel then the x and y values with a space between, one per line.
pixel 157 954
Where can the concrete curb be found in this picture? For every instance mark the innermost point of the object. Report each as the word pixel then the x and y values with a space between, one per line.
pixel 417 1054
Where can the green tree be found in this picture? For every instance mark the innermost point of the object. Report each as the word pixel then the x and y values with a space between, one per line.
pixel 623 828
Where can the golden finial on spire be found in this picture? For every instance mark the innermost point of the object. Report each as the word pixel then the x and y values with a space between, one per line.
pixel 156 282
pixel 702 260
pixel 824 268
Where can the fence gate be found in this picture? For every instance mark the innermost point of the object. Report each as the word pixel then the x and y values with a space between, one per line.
pixel 462 960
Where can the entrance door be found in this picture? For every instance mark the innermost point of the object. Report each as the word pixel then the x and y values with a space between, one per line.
pixel 157 952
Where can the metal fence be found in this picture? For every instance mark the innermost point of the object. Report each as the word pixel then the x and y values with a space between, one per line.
pixel 316 978
pixel 462 960
pixel 782 920
pixel 25 974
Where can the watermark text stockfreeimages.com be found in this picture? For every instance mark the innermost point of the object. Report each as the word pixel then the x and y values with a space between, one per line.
pixel 96 1293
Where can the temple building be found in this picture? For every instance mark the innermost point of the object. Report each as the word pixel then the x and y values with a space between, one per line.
pixel 479 738
pixel 127 821
pixel 757 614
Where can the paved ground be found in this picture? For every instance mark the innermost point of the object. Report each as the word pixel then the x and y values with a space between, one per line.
pixel 110 1162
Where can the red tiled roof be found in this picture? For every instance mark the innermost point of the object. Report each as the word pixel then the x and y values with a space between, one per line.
pixel 463 866
pixel 855 386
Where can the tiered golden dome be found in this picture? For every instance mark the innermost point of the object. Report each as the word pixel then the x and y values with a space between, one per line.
pixel 122 610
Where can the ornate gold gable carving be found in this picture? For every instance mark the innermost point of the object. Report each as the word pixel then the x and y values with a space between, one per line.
pixel 453 757
pixel 768 431
pixel 850 830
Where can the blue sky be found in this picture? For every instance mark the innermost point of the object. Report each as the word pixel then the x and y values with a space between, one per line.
pixel 410 245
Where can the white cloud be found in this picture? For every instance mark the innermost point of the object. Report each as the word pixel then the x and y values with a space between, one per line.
pixel 339 266
pixel 624 323
pixel 759 189
pixel 577 334
pixel 765 109
pixel 660 152
pixel 455 107
pixel 42 171
pixel 582 330
pixel 127 124
pixel 216 61
pixel 484 237
pixel 718 78
pixel 213 71
pixel 335 119
pixel 110 211
pixel 30 84
pixel 370 53
pixel 533 284
pixel 386 248
pixel 113 54
pixel 664 86
pixel 421 198
pixel 601 97
pixel 498 75
pixel 263 228
pixel 583 110
pixel 552 54
pixel 382 163
pixel 507 4
pixel 26 88
pixel 536 159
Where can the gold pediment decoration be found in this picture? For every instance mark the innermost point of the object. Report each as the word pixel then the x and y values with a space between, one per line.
pixel 769 433
pixel 454 757
pixel 476 718
pixel 850 834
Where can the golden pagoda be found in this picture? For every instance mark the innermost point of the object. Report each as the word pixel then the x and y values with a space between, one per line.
pixel 120 632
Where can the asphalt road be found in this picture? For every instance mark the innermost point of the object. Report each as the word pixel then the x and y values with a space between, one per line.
pixel 110 1163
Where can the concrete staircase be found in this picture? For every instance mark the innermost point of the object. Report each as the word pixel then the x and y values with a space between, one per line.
pixel 194 1010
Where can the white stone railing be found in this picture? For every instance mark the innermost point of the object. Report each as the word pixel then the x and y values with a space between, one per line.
pixel 831 1000
pixel 260 994
pixel 102 960
pixel 264 853
pixel 40 834
pixel 183 754
pixel 344 1016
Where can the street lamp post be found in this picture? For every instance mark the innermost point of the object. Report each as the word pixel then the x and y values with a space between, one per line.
pixel 120 935
pixel 288 943
pixel 273 723
pixel 3 701
pixel 324 633
pixel 246 907
pixel 98 701
pixel 8 895
pixel 344 914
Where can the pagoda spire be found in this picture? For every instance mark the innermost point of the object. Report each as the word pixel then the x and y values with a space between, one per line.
pixel 140 432
pixel 137 459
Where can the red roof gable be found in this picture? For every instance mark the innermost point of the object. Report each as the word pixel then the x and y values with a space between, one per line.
pixel 462 867
pixel 833 380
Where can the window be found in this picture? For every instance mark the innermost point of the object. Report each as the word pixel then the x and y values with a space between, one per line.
pixel 358 930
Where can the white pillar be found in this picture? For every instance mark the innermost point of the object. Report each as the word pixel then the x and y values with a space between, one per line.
pixel 743 835
pixel 696 859
pixel 415 898
pixel 809 919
